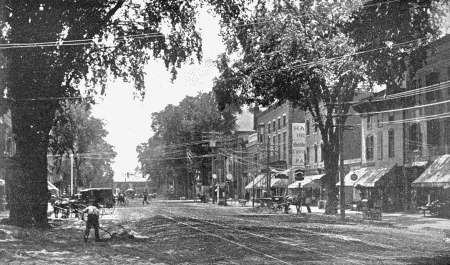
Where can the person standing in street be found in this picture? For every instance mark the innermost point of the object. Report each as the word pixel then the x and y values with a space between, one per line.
pixel 93 214
pixel 145 195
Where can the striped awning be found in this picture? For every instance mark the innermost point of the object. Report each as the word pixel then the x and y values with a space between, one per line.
pixel 371 176
pixel 259 182
pixel 436 175
pixel 311 181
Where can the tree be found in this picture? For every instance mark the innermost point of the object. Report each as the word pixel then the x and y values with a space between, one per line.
pixel 178 135
pixel 75 132
pixel 283 59
pixel 303 52
pixel 54 45
pixel 397 32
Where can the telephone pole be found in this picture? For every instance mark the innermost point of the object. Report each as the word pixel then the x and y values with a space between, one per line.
pixel 268 168
pixel 341 158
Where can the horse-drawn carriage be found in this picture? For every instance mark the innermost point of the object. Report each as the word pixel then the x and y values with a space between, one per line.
pixel 103 196
pixel 73 206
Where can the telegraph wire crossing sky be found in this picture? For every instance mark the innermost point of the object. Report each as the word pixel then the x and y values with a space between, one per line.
pixel 128 120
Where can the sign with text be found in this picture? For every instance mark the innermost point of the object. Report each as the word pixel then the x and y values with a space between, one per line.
pixel 298 144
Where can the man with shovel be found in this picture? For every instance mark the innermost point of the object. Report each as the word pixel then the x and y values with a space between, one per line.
pixel 93 215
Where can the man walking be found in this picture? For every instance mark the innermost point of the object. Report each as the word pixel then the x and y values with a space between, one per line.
pixel 93 214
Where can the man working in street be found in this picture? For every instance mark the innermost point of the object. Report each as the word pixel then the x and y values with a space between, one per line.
pixel 93 215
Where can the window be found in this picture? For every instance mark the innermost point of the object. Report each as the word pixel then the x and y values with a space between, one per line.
pixel 279 123
pixel 391 142
pixel 284 143
pixel 307 156
pixel 261 133
pixel 380 120
pixel 315 127
pixel 414 137
pixel 268 127
pixel 307 127
pixel 284 120
pixel 369 147
pixel 316 155
pixel 369 122
pixel 391 117
pixel 273 125
pixel 279 147
pixel 433 132
pixel 432 79
pixel 321 152
pixel 380 145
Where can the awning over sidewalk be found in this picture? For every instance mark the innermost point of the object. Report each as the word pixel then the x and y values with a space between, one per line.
pixel 278 183
pixel 311 181
pixel 371 176
pixel 353 177
pixel 436 175
pixel 258 183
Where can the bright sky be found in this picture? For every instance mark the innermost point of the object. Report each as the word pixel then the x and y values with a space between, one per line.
pixel 128 120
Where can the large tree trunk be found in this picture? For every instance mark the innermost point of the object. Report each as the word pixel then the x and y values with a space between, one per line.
pixel 331 162
pixel 29 191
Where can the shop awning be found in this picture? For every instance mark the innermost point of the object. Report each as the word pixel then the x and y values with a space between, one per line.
pixel 258 183
pixel 436 175
pixel 353 176
pixel 278 182
pixel 311 181
pixel 371 176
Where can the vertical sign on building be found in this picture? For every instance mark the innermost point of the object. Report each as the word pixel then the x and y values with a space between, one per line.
pixel 298 145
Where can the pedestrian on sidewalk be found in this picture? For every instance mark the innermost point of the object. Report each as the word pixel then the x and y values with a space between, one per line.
pixel 93 214
pixel 145 195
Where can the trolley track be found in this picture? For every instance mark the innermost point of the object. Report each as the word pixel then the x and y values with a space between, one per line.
pixel 268 243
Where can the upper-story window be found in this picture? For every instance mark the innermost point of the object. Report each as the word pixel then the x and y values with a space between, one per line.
pixel 369 122
pixel 261 133
pixel 273 125
pixel 432 79
pixel 316 155
pixel 433 132
pixel 315 127
pixel 307 156
pixel 414 137
pixel 279 123
pixel 284 120
pixel 380 120
pixel 369 147
pixel 380 145
pixel 391 117
pixel 321 152
pixel 307 127
pixel 391 142
pixel 268 127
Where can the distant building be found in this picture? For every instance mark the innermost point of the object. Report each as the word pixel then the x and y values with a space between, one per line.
pixel 127 181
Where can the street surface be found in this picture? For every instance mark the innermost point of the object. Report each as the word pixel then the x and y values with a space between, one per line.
pixel 185 232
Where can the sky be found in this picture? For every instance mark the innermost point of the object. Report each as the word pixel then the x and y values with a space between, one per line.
pixel 128 120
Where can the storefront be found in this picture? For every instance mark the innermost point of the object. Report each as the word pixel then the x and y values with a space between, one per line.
pixel 311 187
pixel 381 184
pixel 434 183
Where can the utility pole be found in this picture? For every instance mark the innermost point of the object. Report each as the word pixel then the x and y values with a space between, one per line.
pixel 268 168
pixel 71 174
pixel 341 158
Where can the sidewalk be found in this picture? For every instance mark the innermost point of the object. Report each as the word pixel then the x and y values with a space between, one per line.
pixel 414 221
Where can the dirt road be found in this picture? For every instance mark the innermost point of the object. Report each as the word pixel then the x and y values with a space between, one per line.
pixel 178 232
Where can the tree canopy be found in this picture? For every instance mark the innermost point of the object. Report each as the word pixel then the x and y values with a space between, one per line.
pixel 179 133
pixel 75 132
pixel 54 46
pixel 314 54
